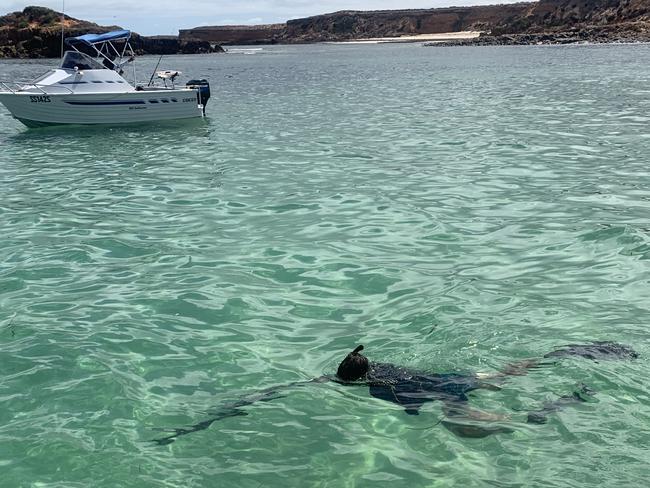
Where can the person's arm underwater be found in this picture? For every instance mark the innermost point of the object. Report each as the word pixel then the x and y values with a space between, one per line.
pixel 353 368
pixel 520 368
pixel 234 409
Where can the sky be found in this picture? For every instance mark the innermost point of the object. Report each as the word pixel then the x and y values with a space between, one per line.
pixel 151 17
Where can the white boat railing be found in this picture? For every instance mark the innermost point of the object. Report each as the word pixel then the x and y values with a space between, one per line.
pixel 29 87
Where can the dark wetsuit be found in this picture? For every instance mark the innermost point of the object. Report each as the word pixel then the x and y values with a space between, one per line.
pixel 411 389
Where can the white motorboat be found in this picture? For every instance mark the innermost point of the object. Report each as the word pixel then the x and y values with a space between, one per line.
pixel 90 89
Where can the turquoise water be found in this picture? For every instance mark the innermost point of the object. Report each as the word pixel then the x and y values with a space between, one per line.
pixel 451 209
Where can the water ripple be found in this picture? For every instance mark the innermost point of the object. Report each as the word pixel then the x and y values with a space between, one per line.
pixel 452 209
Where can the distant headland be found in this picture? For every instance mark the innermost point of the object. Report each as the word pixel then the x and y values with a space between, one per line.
pixel 36 31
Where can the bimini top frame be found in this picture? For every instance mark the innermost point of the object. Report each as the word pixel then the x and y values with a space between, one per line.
pixel 112 56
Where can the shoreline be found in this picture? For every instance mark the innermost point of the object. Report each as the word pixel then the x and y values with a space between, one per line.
pixel 36 31
pixel 540 40
pixel 623 33
pixel 439 37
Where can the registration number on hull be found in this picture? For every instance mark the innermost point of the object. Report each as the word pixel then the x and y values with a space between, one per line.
pixel 40 99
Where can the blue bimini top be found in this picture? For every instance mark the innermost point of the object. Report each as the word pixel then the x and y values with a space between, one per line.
pixel 91 39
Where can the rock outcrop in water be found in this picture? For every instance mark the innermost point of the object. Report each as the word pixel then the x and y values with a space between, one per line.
pixel 36 33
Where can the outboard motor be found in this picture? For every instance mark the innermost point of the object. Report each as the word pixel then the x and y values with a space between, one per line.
pixel 203 90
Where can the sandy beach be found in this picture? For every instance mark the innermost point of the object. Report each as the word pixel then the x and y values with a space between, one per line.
pixel 442 37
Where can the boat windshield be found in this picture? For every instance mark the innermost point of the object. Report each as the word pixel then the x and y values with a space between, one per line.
pixel 81 61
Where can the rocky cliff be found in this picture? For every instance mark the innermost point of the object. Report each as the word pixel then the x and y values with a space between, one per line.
pixel 348 25
pixel 570 21
pixel 520 23
pixel 36 33
pixel 234 34
pixel 560 15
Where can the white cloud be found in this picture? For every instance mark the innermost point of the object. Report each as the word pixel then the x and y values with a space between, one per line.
pixel 167 16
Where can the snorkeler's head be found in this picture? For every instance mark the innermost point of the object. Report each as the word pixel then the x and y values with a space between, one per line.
pixel 354 366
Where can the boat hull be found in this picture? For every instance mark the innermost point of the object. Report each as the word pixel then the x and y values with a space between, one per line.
pixel 38 109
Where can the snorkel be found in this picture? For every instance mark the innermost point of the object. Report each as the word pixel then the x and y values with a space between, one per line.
pixel 354 366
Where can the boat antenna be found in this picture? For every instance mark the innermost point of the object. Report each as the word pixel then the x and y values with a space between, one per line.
pixel 62 26
pixel 154 70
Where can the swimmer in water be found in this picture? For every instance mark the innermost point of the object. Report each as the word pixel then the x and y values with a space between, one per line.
pixel 411 389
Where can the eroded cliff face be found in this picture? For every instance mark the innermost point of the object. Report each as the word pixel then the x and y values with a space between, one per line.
pixel 234 34
pixel 598 20
pixel 571 21
pixel 348 25
pixel 36 33
pixel 562 15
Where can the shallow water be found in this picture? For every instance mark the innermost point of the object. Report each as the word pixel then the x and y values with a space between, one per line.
pixel 451 209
